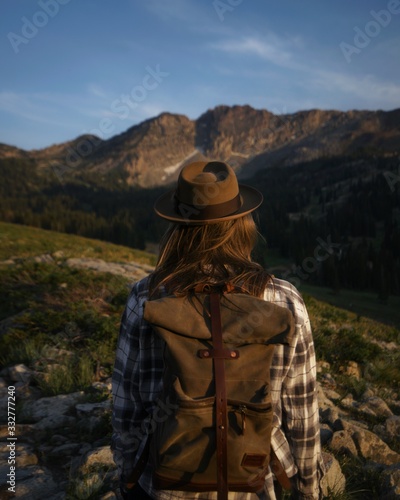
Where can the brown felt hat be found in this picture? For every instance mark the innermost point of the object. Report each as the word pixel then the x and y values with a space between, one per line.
pixel 207 192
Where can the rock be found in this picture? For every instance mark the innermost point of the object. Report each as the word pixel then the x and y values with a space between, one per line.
pixel 328 380
pixel 51 406
pixel 395 405
pixel 371 447
pixel 348 401
pixel 103 386
pixel 352 370
pixel 43 259
pixel 390 430
pixel 35 483
pixel 390 483
pixel 55 422
pixel 323 366
pixel 58 439
pixel 65 450
pixel 343 443
pixel 376 406
pixel 131 271
pixel 20 429
pixel 333 481
pixel 348 424
pixel 89 424
pixel 325 433
pixel 370 406
pixel 95 409
pixel 323 402
pixel 24 454
pixel 330 415
pixel 20 373
pixel 85 448
pixel 331 394
pixel 110 495
pixel 392 425
pixel 368 393
pixel 100 456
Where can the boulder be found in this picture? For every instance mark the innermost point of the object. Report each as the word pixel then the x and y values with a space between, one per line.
pixel 343 443
pixel 333 482
pixel 390 483
pixel 392 425
pixel 371 447
pixel 51 406
pixel 20 373
pixel 95 409
pixel 35 483
pixel 99 456
pixel 54 422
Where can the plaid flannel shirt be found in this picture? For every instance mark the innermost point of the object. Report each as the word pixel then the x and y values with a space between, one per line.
pixel 137 383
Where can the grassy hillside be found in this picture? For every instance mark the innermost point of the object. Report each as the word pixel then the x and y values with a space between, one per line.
pixel 50 304
pixel 25 241
pixel 63 323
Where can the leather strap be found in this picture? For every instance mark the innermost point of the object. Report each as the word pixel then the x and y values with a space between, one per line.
pixel 279 472
pixel 220 398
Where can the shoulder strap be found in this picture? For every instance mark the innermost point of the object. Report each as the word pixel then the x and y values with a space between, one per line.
pixel 220 397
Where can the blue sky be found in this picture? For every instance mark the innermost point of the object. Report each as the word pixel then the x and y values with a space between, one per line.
pixel 102 66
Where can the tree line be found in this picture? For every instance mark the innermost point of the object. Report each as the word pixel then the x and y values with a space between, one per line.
pixel 353 204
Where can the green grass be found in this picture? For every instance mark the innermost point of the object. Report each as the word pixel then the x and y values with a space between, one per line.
pixel 361 303
pixel 341 336
pixel 59 307
pixel 25 241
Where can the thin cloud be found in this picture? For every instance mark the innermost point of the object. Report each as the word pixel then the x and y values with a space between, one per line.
pixel 290 53
pixel 386 94
pixel 23 105
pixel 273 49
pixel 182 10
pixel 97 91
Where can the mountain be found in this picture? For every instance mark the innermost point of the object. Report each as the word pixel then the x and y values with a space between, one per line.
pixel 151 153
pixel 325 175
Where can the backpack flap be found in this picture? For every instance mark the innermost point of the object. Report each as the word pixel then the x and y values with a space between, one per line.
pixel 245 319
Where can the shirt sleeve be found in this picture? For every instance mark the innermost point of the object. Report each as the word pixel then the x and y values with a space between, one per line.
pixel 136 376
pixel 300 415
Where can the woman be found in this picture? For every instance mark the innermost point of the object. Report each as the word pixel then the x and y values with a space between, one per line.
pixel 210 241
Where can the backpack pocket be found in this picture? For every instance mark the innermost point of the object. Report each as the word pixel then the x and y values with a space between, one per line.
pixel 187 437
pixel 185 445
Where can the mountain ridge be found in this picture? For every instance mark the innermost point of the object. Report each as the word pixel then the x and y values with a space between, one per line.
pixel 151 153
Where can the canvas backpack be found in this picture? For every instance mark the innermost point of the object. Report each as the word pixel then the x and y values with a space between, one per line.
pixel 218 353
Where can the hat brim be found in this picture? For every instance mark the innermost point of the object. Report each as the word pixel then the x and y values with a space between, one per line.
pixel 165 207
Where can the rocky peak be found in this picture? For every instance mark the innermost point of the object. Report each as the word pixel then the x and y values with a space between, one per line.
pixel 151 153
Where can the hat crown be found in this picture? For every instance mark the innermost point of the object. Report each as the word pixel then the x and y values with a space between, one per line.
pixel 202 184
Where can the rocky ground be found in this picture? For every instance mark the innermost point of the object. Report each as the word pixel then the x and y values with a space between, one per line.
pixel 62 447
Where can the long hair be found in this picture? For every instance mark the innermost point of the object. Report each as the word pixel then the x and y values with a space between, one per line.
pixel 214 254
